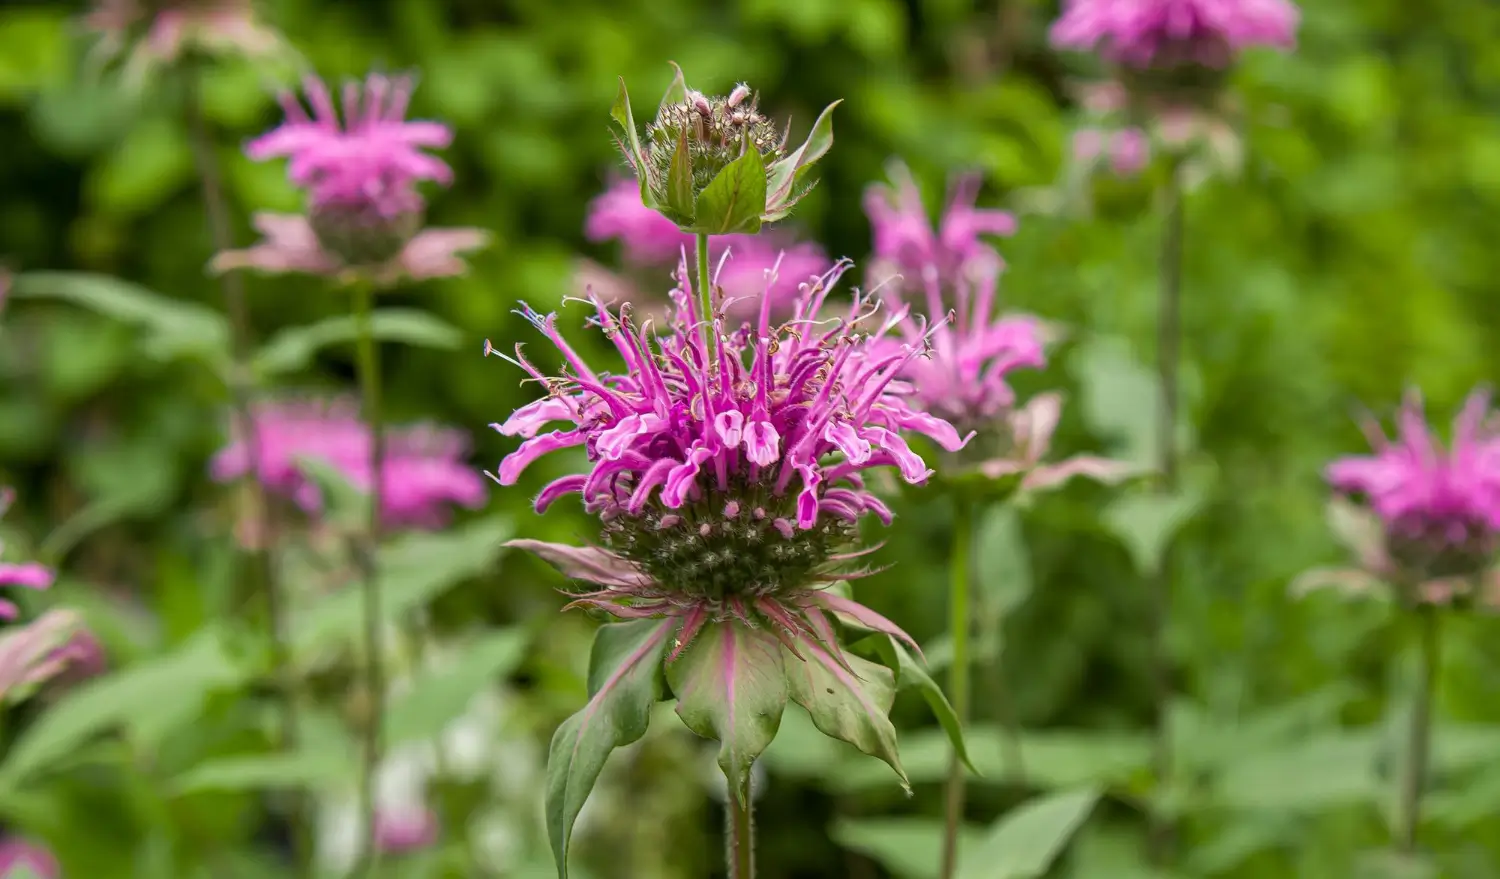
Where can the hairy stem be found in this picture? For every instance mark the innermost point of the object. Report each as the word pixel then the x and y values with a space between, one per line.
pixel 1419 738
pixel 958 675
pixel 241 382
pixel 739 834
pixel 368 554
pixel 706 301
pixel 1168 342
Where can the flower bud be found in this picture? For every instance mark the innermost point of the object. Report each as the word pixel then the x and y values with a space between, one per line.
pixel 716 165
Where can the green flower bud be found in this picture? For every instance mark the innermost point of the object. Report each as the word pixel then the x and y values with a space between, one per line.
pixel 715 165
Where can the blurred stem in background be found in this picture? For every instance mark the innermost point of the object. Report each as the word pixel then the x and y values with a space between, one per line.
pixel 1168 343
pixel 958 673
pixel 1419 738
pixel 368 555
pixel 241 382
pixel 705 298
pixel 739 833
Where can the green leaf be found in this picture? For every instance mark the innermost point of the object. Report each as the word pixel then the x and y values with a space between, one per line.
pixel 620 112
pixel 440 695
pixel 845 707
pixel 676 92
pixel 732 202
pixel 293 349
pixel 731 686
pixel 1025 841
pixel 148 699
pixel 1002 565
pixel 1054 758
pixel 680 180
pixel 911 675
pixel 1146 523
pixel 907 847
pixel 100 513
pixel 343 504
pixel 625 680
pixel 174 329
pixel 413 570
pixel 321 769
pixel 144 169
pixel 1314 774
pixel 784 174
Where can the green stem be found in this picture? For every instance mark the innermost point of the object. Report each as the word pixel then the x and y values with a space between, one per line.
pixel 369 383
pixel 1419 738
pixel 958 675
pixel 1168 343
pixel 241 382
pixel 739 834
pixel 706 302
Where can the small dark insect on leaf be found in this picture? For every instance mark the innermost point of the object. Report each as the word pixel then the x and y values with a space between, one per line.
pixel 830 690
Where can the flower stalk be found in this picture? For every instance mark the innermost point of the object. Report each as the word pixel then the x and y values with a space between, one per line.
pixel 241 383
pixel 1168 344
pixel 705 296
pixel 1419 737
pixel 368 554
pixel 740 832
pixel 959 567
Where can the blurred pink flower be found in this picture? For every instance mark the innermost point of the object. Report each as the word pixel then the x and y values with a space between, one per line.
pixel 36 652
pixel 405 829
pixel 1439 508
pixel 906 241
pixel 19 857
pixel 1171 33
pixel 292 247
pixel 28 575
pixel 1031 428
pixel 423 474
pixel 361 172
pixel 162 31
pixel 1127 149
pixel 743 274
pixel 645 236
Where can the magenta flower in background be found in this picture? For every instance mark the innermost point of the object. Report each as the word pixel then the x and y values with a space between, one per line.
pixel 905 240
pixel 360 169
pixel 1172 33
pixel 1439 508
pixel 36 652
pixel 20 857
pixel 1127 150
pixel 646 237
pixel 424 474
pixel 156 32
pixel 28 575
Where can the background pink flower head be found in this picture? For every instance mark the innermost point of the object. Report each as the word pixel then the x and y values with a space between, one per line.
pixel 424 471
pixel 906 241
pixel 28 575
pixel 153 32
pixel 1440 506
pixel 1170 33
pixel 20 857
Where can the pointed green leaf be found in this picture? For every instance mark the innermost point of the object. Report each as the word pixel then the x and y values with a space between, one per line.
pixel 911 674
pixel 625 680
pixel 677 91
pixel 733 201
pixel 306 769
pixel 842 706
pixel 731 686
pixel 1025 841
pixel 910 848
pixel 294 348
pixel 620 112
pixel 440 695
pixel 785 173
pixel 680 180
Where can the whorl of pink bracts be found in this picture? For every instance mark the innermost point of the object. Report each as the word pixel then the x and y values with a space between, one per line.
pixel 906 242
pixel 1168 33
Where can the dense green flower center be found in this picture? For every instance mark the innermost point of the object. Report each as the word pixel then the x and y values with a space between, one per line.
pixel 716 130
pixel 359 235
pixel 733 544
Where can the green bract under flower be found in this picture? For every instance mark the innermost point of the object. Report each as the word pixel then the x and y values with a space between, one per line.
pixel 715 165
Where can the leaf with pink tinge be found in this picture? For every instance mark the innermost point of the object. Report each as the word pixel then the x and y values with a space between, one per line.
pixel 588 563
pixel 844 707
pixel 911 675
pixel 731 686
pixel 1089 466
pixel 865 618
pixel 625 680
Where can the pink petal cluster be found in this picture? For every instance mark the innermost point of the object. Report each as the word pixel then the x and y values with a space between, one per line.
pixel 402 830
pixel 360 164
pixel 1170 33
pixel 1435 503
pixel 906 241
pixel 20 857
pixel 168 29
pixel 28 575
pixel 38 651
pixel 650 240
pixel 1127 150
pixel 423 474
pixel 767 408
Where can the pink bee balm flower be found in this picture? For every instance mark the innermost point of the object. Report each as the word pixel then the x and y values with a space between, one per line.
pixel 906 241
pixel 423 474
pixel 29 575
pixel 647 237
pixel 163 31
pixel 1173 33
pixel 360 171
pixel 36 652
pixel 19 857
pixel 752 268
pixel 1439 508
pixel 1127 150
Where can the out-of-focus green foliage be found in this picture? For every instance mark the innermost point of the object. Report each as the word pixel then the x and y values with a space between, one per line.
pixel 1353 255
